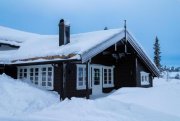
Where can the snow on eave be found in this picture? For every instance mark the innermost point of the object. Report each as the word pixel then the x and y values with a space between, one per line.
pixel 11 43
pixel 137 46
pixel 47 58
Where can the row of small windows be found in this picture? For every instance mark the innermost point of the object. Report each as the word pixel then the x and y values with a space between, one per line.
pixel 38 75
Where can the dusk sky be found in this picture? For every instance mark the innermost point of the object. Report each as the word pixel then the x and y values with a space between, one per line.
pixel 146 19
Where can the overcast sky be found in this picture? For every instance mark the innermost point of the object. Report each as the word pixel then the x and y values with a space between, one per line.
pixel 145 19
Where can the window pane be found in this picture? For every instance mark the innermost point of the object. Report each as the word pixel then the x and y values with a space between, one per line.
pixel 31 70
pixel 31 74
pixel 43 78
pixel 36 82
pixel 25 70
pixel 49 78
pixel 84 74
pixel 21 70
pixel 25 75
pixel 49 84
pixel 49 73
pixel 80 76
pixel 44 75
pixel 142 78
pixel 110 74
pixel 80 83
pixel 36 78
pixel 43 69
pixel 43 83
pixel 81 79
pixel 80 72
pixel 105 76
pixel 31 78
pixel 36 69
pixel 49 68
pixel 96 76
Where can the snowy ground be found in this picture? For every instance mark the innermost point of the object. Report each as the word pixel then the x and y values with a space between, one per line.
pixel 21 102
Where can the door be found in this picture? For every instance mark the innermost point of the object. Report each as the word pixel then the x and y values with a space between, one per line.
pixel 96 80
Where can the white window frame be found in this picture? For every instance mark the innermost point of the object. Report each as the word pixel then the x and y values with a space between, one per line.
pixel 106 85
pixel 83 86
pixel 39 75
pixel 144 78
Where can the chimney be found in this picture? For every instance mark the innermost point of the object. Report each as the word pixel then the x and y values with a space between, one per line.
pixel 64 33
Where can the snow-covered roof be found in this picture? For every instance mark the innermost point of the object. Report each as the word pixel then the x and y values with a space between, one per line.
pixel 14 37
pixel 47 47
pixel 83 46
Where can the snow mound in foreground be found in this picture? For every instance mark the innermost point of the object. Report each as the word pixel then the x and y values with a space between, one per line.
pixel 164 96
pixel 17 97
pixel 159 103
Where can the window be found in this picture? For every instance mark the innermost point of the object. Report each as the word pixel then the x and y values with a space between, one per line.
pixel 144 78
pixel 40 75
pixel 96 77
pixel 105 76
pixel 32 74
pixel 102 73
pixel 81 76
pixel 108 76
pixel 43 77
pixel 50 76
pixel 36 76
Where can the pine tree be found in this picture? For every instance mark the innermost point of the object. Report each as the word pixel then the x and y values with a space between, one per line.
pixel 157 57
pixel 106 28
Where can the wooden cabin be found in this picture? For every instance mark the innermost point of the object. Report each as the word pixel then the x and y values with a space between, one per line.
pixel 82 65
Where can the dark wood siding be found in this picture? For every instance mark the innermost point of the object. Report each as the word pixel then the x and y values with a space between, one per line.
pixel 1 69
pixel 11 71
pixel 125 72
pixel 125 68
pixel 71 70
pixel 58 74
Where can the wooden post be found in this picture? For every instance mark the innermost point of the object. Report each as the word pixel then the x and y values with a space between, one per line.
pixel 64 81
pixel 87 80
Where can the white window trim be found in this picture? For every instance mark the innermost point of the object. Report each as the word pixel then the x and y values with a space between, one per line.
pixel 39 75
pixel 102 67
pixel 95 66
pixel 144 75
pixel 78 87
pixel 112 76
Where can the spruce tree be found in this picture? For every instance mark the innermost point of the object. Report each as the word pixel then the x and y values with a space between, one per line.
pixel 106 28
pixel 157 57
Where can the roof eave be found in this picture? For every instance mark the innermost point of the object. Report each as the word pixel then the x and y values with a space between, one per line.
pixel 101 47
pixel 143 56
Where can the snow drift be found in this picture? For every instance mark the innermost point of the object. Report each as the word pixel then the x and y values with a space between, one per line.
pixel 17 97
pixel 23 102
